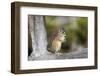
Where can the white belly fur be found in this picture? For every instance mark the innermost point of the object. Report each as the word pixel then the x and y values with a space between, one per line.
pixel 56 45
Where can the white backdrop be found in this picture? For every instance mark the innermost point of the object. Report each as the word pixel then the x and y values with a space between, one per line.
pixel 5 38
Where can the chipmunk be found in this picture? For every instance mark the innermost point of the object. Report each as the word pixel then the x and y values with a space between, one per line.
pixel 56 41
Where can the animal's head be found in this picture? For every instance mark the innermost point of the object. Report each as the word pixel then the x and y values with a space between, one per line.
pixel 61 34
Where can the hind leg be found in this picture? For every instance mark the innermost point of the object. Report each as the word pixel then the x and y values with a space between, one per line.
pixel 57 51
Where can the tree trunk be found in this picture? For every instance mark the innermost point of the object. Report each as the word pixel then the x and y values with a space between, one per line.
pixel 38 36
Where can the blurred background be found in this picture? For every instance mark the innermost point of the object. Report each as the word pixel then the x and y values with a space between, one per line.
pixel 76 29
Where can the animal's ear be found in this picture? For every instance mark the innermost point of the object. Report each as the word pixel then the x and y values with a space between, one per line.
pixel 64 30
pixel 60 30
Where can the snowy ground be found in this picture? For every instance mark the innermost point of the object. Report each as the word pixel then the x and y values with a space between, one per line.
pixel 70 55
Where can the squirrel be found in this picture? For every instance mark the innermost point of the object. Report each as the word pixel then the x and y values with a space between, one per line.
pixel 56 41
